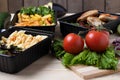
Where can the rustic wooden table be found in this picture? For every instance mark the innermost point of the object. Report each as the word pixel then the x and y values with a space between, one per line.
pixel 50 68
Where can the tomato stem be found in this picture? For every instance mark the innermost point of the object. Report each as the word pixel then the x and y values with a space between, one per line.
pixel 83 32
pixel 98 28
pixel 101 27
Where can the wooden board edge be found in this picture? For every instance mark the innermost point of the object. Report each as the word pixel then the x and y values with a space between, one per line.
pixel 97 74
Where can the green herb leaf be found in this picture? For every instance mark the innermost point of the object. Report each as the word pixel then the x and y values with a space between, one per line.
pixel 3 51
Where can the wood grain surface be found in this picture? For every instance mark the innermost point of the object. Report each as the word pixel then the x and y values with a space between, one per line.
pixel 113 6
pixel 3 6
pixel 73 6
pixel 14 5
pixel 88 72
pixel 28 3
pixel 94 4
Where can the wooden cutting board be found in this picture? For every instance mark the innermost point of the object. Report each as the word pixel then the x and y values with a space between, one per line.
pixel 87 72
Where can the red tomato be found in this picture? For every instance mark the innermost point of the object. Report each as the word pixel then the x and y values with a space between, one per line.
pixel 97 40
pixel 73 43
pixel 106 32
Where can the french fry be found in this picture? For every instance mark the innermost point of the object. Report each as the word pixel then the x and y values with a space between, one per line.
pixel 34 20
pixel 22 40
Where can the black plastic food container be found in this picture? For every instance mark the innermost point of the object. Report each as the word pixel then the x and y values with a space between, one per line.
pixel 46 28
pixel 13 64
pixel 66 26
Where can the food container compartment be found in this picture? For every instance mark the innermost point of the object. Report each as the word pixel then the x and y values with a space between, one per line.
pixel 46 28
pixel 66 26
pixel 13 64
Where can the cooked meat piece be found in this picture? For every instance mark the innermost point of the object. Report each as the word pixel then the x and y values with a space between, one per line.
pixel 94 21
pixel 107 17
pixel 84 16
